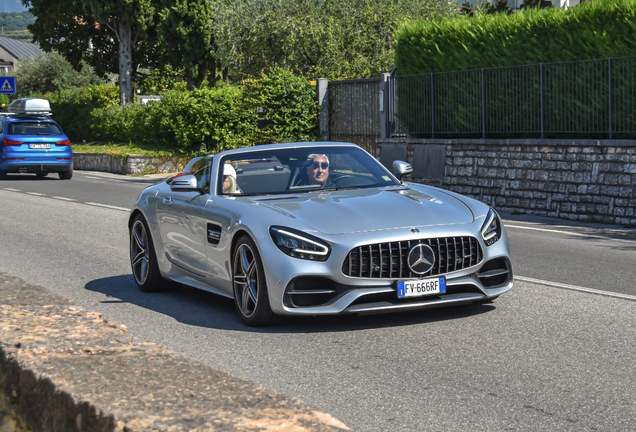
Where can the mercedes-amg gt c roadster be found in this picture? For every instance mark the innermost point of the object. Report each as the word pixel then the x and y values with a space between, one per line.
pixel 316 228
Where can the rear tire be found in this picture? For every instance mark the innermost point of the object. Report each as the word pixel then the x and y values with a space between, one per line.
pixel 3 174
pixel 66 175
pixel 250 289
pixel 143 260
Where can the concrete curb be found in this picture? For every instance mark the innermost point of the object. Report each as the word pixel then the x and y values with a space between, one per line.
pixel 66 369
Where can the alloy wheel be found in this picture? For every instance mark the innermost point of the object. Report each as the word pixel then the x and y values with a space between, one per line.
pixel 246 281
pixel 139 252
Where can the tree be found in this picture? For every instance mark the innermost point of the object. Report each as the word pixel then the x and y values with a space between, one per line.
pixel 128 20
pixel 51 73
pixel 327 38
pixel 185 33
pixel 110 35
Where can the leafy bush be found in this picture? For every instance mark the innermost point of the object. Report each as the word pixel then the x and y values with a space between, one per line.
pixel 120 124
pixel 4 100
pixel 210 119
pixel 51 73
pixel 72 108
pixel 205 120
pixel 287 104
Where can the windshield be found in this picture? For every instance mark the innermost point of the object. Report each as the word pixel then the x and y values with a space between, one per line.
pixel 301 170
pixel 34 128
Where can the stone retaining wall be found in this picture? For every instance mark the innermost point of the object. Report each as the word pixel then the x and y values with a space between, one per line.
pixel 584 180
pixel 131 164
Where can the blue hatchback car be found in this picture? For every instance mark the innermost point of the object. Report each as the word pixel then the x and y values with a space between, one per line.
pixel 32 142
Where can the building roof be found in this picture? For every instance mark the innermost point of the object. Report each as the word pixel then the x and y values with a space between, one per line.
pixel 19 49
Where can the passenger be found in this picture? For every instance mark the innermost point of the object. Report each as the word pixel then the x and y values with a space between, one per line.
pixel 318 171
pixel 229 179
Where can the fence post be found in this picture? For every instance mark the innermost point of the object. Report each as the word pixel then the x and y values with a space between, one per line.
pixel 483 105
pixel 322 95
pixel 432 105
pixel 384 104
pixel 609 67
pixel 541 90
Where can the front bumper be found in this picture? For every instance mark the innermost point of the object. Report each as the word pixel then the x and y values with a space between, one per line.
pixel 300 287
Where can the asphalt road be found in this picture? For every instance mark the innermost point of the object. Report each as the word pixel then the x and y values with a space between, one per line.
pixel 555 353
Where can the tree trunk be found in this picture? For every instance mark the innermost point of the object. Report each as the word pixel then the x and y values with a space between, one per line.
pixel 125 63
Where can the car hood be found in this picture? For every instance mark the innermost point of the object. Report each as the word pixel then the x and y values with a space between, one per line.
pixel 359 210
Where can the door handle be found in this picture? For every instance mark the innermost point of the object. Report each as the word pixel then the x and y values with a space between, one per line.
pixel 167 201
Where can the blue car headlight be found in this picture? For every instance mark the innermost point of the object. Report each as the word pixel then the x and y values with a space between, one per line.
pixel 300 245
pixel 491 229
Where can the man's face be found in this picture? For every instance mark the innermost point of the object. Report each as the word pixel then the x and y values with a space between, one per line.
pixel 318 171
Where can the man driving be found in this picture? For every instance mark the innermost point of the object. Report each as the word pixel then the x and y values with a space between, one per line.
pixel 318 171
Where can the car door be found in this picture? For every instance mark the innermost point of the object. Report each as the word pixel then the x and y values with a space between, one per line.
pixel 179 215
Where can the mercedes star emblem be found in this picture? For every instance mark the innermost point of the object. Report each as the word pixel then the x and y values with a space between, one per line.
pixel 421 258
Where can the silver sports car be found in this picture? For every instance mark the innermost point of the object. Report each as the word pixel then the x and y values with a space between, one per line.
pixel 316 228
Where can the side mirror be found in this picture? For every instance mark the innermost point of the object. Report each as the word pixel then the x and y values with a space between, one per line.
pixel 185 183
pixel 401 168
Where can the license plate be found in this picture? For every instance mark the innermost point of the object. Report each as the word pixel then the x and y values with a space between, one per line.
pixel 421 287
pixel 39 146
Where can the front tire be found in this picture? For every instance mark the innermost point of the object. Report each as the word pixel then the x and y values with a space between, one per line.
pixel 143 260
pixel 250 288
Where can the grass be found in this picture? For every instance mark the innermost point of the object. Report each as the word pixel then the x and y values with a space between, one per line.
pixel 120 149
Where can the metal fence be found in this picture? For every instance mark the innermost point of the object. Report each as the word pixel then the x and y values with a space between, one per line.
pixel 353 112
pixel 592 98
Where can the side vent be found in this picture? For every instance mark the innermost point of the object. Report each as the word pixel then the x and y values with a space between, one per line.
pixel 214 234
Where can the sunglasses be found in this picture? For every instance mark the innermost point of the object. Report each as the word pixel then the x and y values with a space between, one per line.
pixel 323 165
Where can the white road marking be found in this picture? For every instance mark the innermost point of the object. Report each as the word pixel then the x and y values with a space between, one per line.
pixel 108 206
pixel 576 288
pixel 94 178
pixel 12 190
pixel 63 198
pixel 566 232
pixel 36 193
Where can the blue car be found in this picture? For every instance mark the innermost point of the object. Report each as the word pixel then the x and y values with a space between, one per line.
pixel 32 142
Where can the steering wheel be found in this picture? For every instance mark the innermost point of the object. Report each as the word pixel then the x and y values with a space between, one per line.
pixel 336 180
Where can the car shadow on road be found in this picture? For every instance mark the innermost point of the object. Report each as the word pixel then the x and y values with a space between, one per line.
pixel 203 309
pixel 28 177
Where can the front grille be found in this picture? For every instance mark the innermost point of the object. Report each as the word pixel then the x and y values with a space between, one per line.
pixel 389 260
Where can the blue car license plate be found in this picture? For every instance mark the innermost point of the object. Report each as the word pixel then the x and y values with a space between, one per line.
pixel 421 287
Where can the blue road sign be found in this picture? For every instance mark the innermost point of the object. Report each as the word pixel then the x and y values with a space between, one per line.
pixel 7 85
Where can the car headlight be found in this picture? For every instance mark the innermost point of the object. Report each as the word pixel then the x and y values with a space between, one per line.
pixel 298 244
pixel 491 229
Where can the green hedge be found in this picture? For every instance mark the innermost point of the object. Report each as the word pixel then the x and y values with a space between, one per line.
pixel 277 107
pixel 72 108
pixel 287 105
pixel 538 78
pixel 598 29
pixel 205 120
